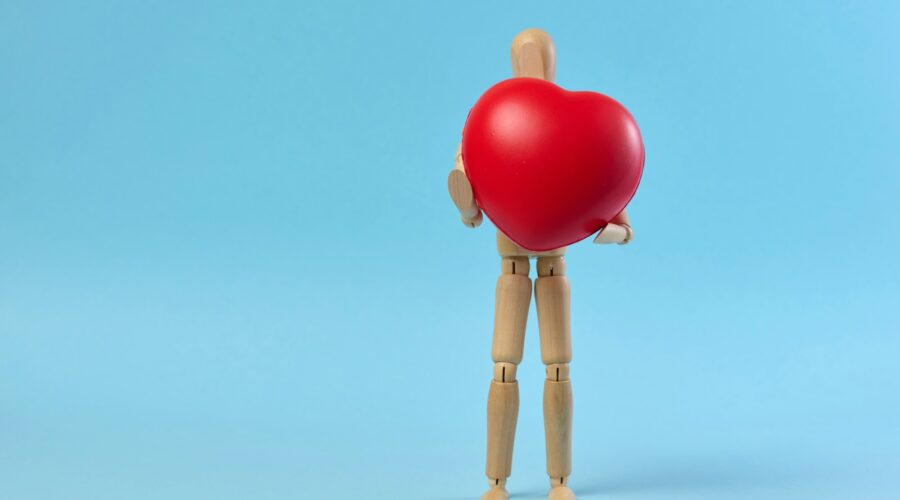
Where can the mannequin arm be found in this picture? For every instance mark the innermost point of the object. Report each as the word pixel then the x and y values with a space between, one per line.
pixel 462 195
pixel 617 231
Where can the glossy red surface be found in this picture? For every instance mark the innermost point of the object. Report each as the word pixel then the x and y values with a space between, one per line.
pixel 550 167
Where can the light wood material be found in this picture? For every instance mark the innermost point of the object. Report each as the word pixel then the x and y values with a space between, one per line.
pixel 505 372
pixel 461 193
pixel 510 316
pixel 556 482
pixel 472 222
pixel 551 266
pixel 622 219
pixel 533 54
pixel 617 231
pixel 515 265
pixel 507 248
pixel 496 493
pixel 557 372
pixel 552 296
pixel 613 233
pixel 561 493
pixel 458 159
pixel 503 410
pixel 558 429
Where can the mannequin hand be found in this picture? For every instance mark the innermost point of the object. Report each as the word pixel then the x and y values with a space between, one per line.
pixel 472 222
pixel 614 233
pixel 462 195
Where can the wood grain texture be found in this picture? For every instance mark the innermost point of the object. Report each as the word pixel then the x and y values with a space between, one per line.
pixel 507 248
pixel 510 315
pixel 557 372
pixel 552 296
pixel 533 54
pixel 515 265
pixel 551 266
pixel 503 411
pixel 505 372
pixel 558 429
pixel 461 193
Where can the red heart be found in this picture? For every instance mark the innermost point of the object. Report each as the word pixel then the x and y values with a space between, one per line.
pixel 550 167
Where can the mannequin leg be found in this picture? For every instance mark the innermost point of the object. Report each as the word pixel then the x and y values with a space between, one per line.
pixel 510 315
pixel 552 297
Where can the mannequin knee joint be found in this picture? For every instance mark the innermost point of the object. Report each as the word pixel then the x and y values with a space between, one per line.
pixel 551 266
pixel 505 372
pixel 557 372
pixel 515 265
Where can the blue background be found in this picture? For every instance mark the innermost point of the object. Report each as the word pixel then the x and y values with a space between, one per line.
pixel 229 267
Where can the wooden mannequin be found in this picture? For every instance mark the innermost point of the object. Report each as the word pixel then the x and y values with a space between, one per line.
pixel 533 55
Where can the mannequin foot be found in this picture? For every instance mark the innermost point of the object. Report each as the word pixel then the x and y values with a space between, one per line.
pixel 496 493
pixel 561 493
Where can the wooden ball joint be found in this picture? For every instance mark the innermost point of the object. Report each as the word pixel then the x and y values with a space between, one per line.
pixel 533 55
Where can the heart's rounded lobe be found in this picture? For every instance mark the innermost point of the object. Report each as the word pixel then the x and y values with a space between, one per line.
pixel 550 167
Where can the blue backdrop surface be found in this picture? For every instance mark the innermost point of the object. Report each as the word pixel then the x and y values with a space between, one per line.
pixel 229 267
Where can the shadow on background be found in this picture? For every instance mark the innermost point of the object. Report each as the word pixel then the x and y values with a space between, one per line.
pixel 713 473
